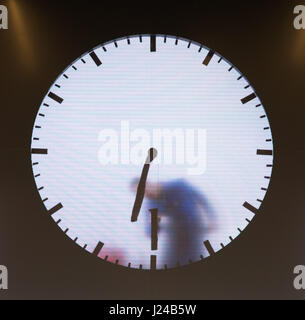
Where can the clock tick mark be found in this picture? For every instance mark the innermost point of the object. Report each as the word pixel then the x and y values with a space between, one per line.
pixel 219 60
pixel 239 77
pixel 104 49
pixel 58 221
pixel 140 38
pixel 46 105
pixel 209 247
pixel 35 163
pixel 57 85
pixel 115 43
pixel 264 152
pixel 189 44
pixel 250 207
pixel 45 199
pixel 83 61
pixel 153 262
pixel 74 67
pixel 230 68
pixel 39 151
pixel 40 188
pixel 153 43
pixel 55 97
pixel 55 208
pixel 208 58
pixel 246 87
pixel 98 248
pixel 37 175
pixel 65 76
pixel 248 98
pixel 95 58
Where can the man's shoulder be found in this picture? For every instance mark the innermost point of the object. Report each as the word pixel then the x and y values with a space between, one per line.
pixel 177 184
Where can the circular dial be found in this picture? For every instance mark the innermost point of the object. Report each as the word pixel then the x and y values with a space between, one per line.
pixel 104 115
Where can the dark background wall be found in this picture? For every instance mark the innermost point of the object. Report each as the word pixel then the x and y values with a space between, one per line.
pixel 259 39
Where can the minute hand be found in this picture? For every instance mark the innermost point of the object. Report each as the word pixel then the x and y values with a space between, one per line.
pixel 152 153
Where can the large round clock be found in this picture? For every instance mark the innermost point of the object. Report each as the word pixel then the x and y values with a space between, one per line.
pixel 152 152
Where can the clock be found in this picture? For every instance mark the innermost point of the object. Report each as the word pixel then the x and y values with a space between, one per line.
pixel 152 152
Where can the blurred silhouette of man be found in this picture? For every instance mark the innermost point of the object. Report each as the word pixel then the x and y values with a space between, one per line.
pixel 188 217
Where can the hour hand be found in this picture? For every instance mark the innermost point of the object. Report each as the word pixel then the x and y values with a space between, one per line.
pixel 152 153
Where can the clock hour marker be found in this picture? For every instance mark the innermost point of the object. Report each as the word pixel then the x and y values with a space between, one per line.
pixel 55 97
pixel 264 152
pixel 209 247
pixel 208 58
pixel 95 58
pixel 55 208
pixel 98 248
pixel 39 151
pixel 152 43
pixel 153 262
pixel 250 207
pixel 248 98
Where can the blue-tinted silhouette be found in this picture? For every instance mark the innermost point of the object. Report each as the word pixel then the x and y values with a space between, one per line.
pixel 188 215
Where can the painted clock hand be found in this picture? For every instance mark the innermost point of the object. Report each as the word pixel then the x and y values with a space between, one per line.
pixel 154 228
pixel 152 153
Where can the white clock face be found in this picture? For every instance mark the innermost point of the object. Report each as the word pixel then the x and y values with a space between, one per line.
pixel 102 114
